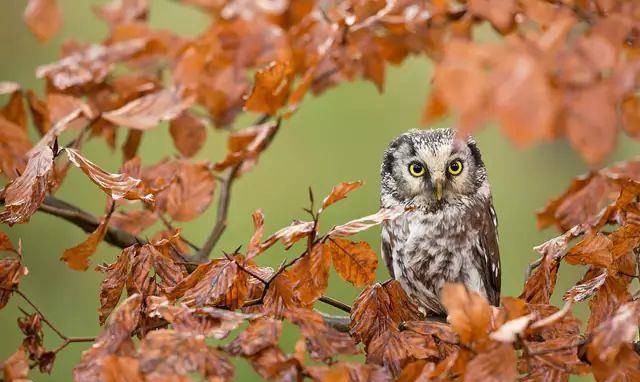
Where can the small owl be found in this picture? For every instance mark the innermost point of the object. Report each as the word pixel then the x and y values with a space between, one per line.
pixel 450 234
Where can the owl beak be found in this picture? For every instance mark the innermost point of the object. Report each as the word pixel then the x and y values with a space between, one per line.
pixel 437 191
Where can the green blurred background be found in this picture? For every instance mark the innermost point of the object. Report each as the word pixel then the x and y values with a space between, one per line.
pixel 336 137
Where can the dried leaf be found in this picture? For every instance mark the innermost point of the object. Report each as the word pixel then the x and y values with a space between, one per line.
pixel 78 257
pixel 271 88
pixel 497 364
pixel 148 111
pixel 16 367
pixel 354 262
pixel 116 186
pixel 339 192
pixel 468 312
pixel 366 222
pixel 189 134
pixel 322 341
pixel 245 146
pixel 43 18
pixel 114 340
pixel 113 283
pixel 311 275
pixel 11 271
pixel 25 194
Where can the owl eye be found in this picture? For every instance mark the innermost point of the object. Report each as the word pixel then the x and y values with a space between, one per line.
pixel 417 169
pixel 455 167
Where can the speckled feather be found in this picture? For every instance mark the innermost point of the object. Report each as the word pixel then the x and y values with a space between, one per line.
pixel 453 239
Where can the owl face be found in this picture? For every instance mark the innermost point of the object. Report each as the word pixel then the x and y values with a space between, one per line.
pixel 430 169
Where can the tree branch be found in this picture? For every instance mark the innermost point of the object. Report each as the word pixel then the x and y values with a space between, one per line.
pixel 225 197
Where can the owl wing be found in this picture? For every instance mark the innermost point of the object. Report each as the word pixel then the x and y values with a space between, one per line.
pixel 386 248
pixel 489 254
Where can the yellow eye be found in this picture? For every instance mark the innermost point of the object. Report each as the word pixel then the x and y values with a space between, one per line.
pixel 455 167
pixel 417 169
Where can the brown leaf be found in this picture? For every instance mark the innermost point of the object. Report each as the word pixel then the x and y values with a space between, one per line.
pixel 113 283
pixel 116 186
pixel 495 365
pixel 625 368
pixel 5 243
pixel 339 192
pixel 500 13
pixel 379 309
pixel 311 275
pixel 167 353
pixel 185 189
pixel 322 341
pixel 586 288
pixel 261 334
pixel 366 222
pixel 468 312
pixel 608 299
pixel 218 282
pixel 245 146
pixel 115 339
pixel 16 367
pixel 594 249
pixel 43 18
pixel 78 257
pixel 207 321
pixel 189 134
pixel 354 262
pixel 280 298
pixel 25 194
pixel 254 248
pixel 290 235
pixel 88 65
pixel 612 335
pixel 545 366
pixel 389 349
pixel 14 146
pixel 149 110
pixel 11 271
pixel 123 11
pixel 271 88
pixel 116 369
pixel 14 110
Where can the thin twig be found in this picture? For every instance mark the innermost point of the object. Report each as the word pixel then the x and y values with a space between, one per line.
pixel 335 303
pixel 170 227
pixel 225 197
pixel 44 319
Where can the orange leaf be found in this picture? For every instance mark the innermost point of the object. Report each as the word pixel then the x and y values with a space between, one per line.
pixel 189 134
pixel 468 312
pixel 354 262
pixel 271 88
pixel 78 257
pixel 339 192
pixel 149 110
pixel 43 18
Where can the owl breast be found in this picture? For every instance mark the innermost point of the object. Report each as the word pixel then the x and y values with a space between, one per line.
pixel 428 249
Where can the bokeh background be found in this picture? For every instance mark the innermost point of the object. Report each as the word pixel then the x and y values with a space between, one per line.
pixel 336 137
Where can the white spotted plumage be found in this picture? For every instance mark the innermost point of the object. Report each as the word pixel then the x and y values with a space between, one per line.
pixel 452 238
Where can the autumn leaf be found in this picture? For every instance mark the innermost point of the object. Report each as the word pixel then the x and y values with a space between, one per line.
pixel 78 257
pixel 323 342
pixel 43 18
pixel 280 297
pixel 217 282
pixel 25 194
pixel 116 337
pixel 271 88
pixel 497 364
pixel 5 243
pixel 468 312
pixel 366 222
pixel 11 271
pixel 113 283
pixel 246 145
pixel 121 12
pixel 291 234
pixel 261 334
pixel 149 110
pixel 116 186
pixel 354 262
pixel 316 263
pixel 189 133
pixel 16 367
pixel 133 221
pixel 339 192
pixel 167 353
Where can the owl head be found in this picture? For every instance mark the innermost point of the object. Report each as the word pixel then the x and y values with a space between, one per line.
pixel 430 169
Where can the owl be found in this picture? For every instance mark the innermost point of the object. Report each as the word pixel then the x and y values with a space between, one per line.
pixel 449 233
